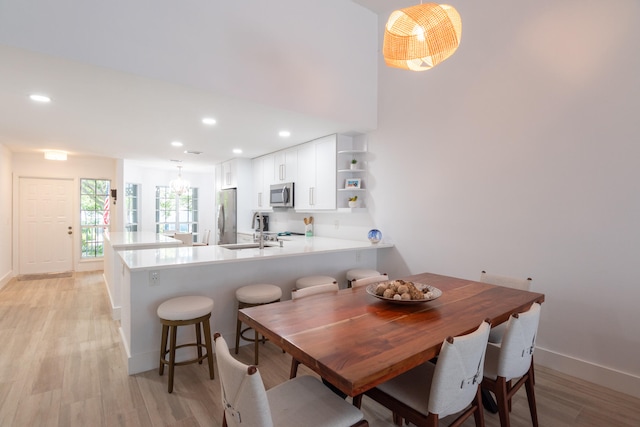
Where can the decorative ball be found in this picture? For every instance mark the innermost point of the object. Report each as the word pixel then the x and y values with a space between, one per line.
pixel 374 236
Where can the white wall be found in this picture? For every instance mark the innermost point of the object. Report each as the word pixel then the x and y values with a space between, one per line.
pixel 519 155
pixel 34 165
pixel 5 215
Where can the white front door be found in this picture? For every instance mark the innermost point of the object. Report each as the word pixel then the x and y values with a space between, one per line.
pixel 46 233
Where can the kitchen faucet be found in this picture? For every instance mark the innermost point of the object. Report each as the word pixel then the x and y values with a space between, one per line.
pixel 258 215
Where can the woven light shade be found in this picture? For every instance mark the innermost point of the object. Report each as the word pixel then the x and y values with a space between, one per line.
pixel 420 37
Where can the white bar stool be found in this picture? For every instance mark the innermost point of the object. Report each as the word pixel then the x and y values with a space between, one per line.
pixel 182 311
pixel 360 273
pixel 308 281
pixel 251 296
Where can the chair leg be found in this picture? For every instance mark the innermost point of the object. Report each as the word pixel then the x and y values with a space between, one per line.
pixel 397 419
pixel 172 356
pixel 432 420
pixel 503 401
pixel 256 347
pixel 532 373
pixel 294 368
pixel 163 348
pixel 531 397
pixel 478 414
pixel 199 342
pixel 238 326
pixel 357 401
pixel 207 343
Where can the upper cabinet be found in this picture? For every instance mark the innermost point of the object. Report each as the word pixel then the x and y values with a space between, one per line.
pixel 229 174
pixel 262 168
pixel 285 165
pixel 316 178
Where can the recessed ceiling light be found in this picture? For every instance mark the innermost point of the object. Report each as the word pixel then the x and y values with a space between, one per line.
pixel 284 133
pixel 40 98
pixel 192 152
pixel 209 121
pixel 55 155
pixel 237 151
pixel 177 144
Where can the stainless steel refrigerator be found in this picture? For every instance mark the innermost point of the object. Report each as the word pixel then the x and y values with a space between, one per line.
pixel 227 217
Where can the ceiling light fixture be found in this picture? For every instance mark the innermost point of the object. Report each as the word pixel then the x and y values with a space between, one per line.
pixel 237 151
pixel 40 98
pixel 420 37
pixel 55 155
pixel 177 144
pixel 284 133
pixel 209 121
pixel 179 185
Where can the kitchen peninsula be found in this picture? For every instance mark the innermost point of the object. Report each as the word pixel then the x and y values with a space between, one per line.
pixel 119 241
pixel 151 276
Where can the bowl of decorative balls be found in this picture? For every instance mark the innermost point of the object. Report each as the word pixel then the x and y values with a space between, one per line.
pixel 403 292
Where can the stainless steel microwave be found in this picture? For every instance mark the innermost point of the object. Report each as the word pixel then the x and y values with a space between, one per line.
pixel 281 195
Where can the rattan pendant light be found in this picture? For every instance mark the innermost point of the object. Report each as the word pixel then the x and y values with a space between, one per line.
pixel 420 37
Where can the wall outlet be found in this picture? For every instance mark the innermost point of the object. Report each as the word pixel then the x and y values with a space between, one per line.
pixel 154 278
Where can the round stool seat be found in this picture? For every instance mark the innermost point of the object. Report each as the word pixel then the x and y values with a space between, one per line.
pixel 258 294
pixel 361 273
pixel 308 281
pixel 184 308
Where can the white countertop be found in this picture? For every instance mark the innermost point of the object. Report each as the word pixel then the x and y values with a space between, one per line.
pixel 139 239
pixel 167 257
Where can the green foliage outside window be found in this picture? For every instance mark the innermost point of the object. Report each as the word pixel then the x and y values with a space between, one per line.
pixel 94 216
pixel 131 197
pixel 176 213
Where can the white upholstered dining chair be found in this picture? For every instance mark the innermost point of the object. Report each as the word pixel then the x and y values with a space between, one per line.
pixel 185 238
pixel 307 292
pixel 495 336
pixel 369 280
pixel 302 401
pixel 206 235
pixel 430 391
pixel 513 359
pixel 314 290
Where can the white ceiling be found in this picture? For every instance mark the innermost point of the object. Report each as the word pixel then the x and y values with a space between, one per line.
pixel 126 80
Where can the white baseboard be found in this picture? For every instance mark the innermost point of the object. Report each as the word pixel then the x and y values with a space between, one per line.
pixel 5 279
pixel 601 375
pixel 115 310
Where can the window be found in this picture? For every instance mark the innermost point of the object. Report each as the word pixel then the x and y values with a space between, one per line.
pixel 94 216
pixel 176 213
pixel 131 197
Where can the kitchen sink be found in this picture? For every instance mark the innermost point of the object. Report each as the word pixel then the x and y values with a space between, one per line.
pixel 237 246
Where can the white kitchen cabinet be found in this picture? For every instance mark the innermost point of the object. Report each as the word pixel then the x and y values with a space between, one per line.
pixel 262 170
pixel 229 174
pixel 316 181
pixel 285 165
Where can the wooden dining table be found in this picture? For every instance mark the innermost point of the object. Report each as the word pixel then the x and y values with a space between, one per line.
pixel 356 341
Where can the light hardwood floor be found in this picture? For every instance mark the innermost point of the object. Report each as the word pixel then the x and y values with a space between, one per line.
pixel 61 364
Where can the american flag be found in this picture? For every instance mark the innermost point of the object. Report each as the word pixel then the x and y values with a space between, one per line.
pixel 105 208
